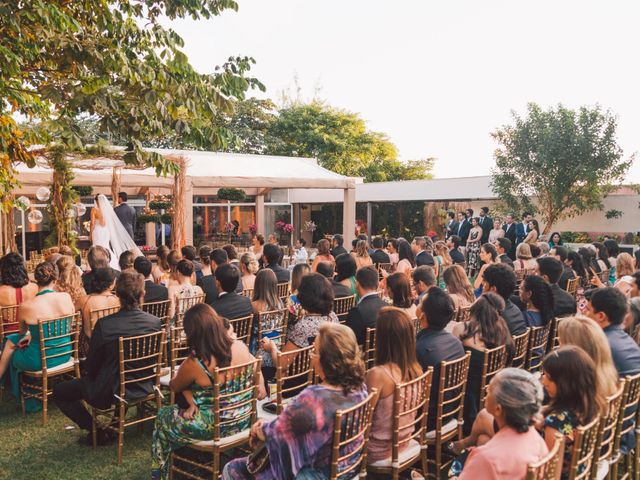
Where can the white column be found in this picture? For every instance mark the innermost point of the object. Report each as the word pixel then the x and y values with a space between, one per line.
pixel 349 216
pixel 188 211
pixel 150 234
pixel 260 217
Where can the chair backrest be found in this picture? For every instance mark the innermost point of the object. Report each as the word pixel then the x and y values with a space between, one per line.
pixel 242 328
pixel 185 303
pixel 342 305
pixel 235 394
pixel 462 314
pixel 550 467
pixel 178 349
pixel 628 408
pixel 247 292
pixel 520 274
pixel 495 359
pixel 369 348
pixel 384 267
pixel 608 425
pixel 604 276
pixel 274 324
pixel 538 339
pixel 350 439
pixel 453 383
pixel 572 285
pixel 293 373
pixel 59 338
pixel 158 309
pixel 8 321
pixel 585 443
pixel 530 271
pixel 140 360
pixel 99 313
pixel 283 291
pixel 521 346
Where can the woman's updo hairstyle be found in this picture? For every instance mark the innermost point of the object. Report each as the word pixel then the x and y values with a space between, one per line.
pixel 340 356
pixel 45 273
pixel 185 267
pixel 249 261
pixel 13 271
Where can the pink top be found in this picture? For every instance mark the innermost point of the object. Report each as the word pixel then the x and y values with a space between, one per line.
pixel 505 456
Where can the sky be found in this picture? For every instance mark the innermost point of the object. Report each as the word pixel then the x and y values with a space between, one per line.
pixel 437 77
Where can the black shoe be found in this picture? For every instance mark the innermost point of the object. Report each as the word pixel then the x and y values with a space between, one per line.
pixel 103 437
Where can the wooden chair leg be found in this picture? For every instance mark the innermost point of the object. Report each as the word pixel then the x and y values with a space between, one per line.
pixel 216 465
pixel 21 389
pixel 45 398
pixel 121 421
pixel 94 429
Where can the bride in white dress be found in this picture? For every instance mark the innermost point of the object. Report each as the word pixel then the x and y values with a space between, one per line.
pixel 107 231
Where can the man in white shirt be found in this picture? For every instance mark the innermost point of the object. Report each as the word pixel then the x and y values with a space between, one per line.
pixel 301 255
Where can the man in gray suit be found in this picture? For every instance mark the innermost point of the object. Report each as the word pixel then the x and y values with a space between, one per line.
pixel 126 214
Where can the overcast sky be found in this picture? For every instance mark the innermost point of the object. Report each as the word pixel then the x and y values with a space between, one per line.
pixel 438 77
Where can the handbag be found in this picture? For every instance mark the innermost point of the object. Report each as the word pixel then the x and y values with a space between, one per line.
pixel 258 460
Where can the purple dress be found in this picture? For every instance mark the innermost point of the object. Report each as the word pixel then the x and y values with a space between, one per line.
pixel 301 437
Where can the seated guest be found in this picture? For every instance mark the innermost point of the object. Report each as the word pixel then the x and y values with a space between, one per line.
pixel 229 303
pixel 536 251
pixel 339 290
pixel 406 258
pixel 210 347
pixel 323 255
pixel 608 307
pixel 21 350
pixel 300 252
pixel 102 283
pixel 561 253
pixel 232 254
pixel 379 255
pixel 503 247
pixel 433 344
pixel 101 380
pixel 457 285
pixel 161 269
pixel 361 254
pixel 537 297
pixel 501 279
pixel 272 256
pixel 189 253
pixel 182 288
pixel 69 279
pixel 393 366
pixel 489 256
pixel 265 299
pixel 346 273
pixel 296 452
pixel 337 243
pixel 622 279
pixel 364 314
pixel 392 250
pixel 399 291
pixel 454 249
pixel 98 257
pixel 125 262
pixel 524 260
pixel 299 271
pixel 419 249
pixel 423 279
pixel 248 270
pixel 15 287
pixel 513 401
pixel 153 292
pixel 205 258
pixel 217 258
pixel 563 302
pixel 173 258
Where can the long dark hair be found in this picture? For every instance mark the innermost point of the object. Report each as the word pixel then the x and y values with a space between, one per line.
pixel 405 253
pixel 13 271
pixel 266 289
pixel 559 238
pixel 536 227
pixel 394 328
pixel 576 263
pixel 206 336
pixel 485 322
pixel 398 285
pixel 574 374
pixel 541 296
pixel 602 254
pixel 588 260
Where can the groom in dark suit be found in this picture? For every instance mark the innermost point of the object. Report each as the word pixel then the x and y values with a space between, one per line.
pixel 486 223
pixel 126 214
pixel 510 228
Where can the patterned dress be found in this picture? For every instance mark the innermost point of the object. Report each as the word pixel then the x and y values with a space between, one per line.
pixel 173 431
pixel 301 437
pixel 473 252
pixel 565 422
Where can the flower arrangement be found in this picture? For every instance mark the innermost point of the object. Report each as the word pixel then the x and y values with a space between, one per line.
pixel 310 226
pixel 253 229
pixel 147 248
pixel 280 225
pixel 431 234
pixel 228 227
pixel 288 228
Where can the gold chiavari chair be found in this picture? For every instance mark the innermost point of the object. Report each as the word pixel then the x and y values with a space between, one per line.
pixel 606 441
pixel 99 313
pixel 235 393
pixel 538 339
pixel 342 305
pixel 450 410
pixel 8 321
pixel 583 452
pixel 140 361
pixel 248 292
pixel 242 328
pixel 530 271
pixel 178 352
pixel 384 267
pixel 462 314
pixel 495 359
pixel 158 309
pixel 550 467
pixel 369 348
pixel 554 342
pixel 184 304
pixel 624 465
pixel 58 341
pixel 521 345
pixel 520 274
pixel 572 286
pixel 604 276
pixel 283 291
pixel 410 410
pixel 351 430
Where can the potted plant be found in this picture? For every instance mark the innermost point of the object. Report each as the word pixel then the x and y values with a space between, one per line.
pixel 231 194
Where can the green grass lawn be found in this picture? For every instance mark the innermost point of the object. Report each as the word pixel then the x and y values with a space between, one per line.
pixel 28 450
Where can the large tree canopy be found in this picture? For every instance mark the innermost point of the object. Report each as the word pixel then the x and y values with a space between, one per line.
pixel 558 162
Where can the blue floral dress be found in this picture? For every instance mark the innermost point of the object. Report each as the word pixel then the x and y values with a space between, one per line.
pixel 565 422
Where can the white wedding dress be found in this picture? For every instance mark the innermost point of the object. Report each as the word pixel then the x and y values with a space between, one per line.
pixel 112 235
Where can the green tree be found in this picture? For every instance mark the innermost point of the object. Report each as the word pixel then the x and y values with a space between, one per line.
pixel 559 162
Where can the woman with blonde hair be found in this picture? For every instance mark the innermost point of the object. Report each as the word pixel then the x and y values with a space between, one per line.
pixel 442 260
pixel 623 271
pixel 248 269
pixel 458 286
pixel 69 279
pixel 524 258
pixel 323 255
pixel 361 254
pixel 162 269
pixel 585 333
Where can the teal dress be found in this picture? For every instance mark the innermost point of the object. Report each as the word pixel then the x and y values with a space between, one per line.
pixel 29 358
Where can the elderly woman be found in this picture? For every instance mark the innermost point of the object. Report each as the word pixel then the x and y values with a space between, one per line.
pixel 513 400
pixel 524 260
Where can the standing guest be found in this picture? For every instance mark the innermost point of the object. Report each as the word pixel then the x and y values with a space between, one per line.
pixel 102 283
pixel 435 345
pixel 537 297
pixel 473 248
pixel 125 262
pixel 393 366
pixel 561 253
pixel 510 233
pixel 248 269
pixel 550 270
pixel 522 228
pixel 232 254
pixel 339 290
pixel 464 226
pixel 486 223
pixel 496 233
pixel 98 257
pixel 229 303
pixel 570 380
pixel 442 260
pixel 503 247
pixel 210 347
pixel 153 292
pixel 69 279
pixel 101 380
pixel 533 233
pixel 272 255
pixel 452 225
pixel 488 256
pixel 501 279
pixel 21 350
pixel 299 440
pixel 379 255
pixel 609 307
pixel 301 255
pixel 189 253
pixel 258 247
pixel 422 255
pixel 453 243
pixel 362 254
pixel 183 288
pixel 323 255
pixel 399 291
pixel 299 271
pixel 14 281
pixel 346 273
pixel 423 279
pixel 162 269
pixel 524 259
pixel 337 243
pixel 392 248
pixel 458 286
pixel 364 314
pixel 555 240
pixel 126 214
pixel 406 261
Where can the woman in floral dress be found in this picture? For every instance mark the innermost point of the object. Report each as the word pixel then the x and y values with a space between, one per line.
pixel 473 247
